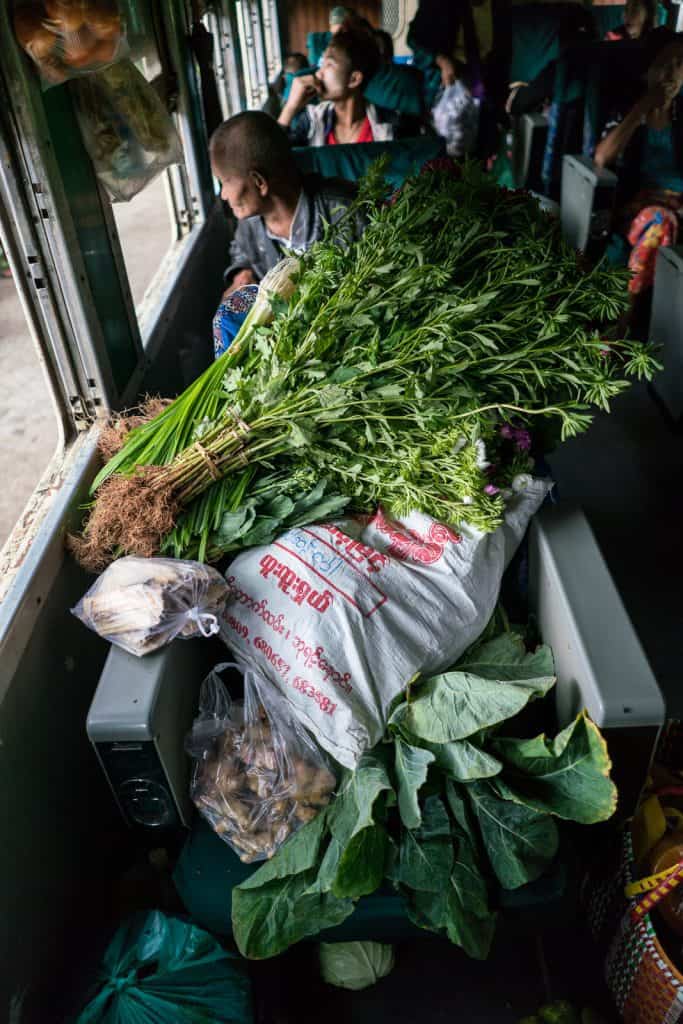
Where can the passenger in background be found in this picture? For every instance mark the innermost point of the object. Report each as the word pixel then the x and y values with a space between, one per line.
pixel 647 149
pixel 639 20
pixel 339 16
pixel 317 42
pixel 277 208
pixel 292 65
pixel 343 115
pixel 447 37
pixel 524 97
pixel 294 62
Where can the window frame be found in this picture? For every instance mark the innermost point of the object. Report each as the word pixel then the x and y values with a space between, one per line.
pixel 227 57
pixel 252 47
pixel 270 19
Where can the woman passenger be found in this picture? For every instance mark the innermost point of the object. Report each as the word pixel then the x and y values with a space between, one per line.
pixel 647 149
pixel 639 20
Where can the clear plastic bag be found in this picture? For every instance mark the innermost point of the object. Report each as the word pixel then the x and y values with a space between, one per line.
pixel 70 38
pixel 258 775
pixel 127 131
pixel 141 604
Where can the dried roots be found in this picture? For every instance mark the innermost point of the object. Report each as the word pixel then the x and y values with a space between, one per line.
pixel 115 434
pixel 130 516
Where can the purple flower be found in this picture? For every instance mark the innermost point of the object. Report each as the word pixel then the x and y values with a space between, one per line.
pixel 491 490
pixel 522 439
pixel 507 432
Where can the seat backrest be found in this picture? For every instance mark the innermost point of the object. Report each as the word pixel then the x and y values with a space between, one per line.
pixel 538 34
pixel 406 157
pixel 397 88
pixel 316 44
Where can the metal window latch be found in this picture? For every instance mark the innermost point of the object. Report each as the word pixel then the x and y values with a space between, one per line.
pixel 82 413
pixel 37 274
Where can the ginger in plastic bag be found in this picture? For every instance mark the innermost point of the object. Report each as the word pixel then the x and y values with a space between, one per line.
pixel 141 604
pixel 258 775
pixel 69 38
pixel 127 131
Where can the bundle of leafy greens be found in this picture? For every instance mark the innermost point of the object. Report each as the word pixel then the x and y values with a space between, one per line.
pixel 389 370
pixel 446 808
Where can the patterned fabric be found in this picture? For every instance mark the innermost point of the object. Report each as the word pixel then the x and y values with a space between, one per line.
pixel 456 119
pixel 230 316
pixel 655 225
pixel 551 140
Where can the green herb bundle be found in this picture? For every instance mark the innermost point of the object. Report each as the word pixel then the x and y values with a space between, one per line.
pixel 388 375
pixel 448 808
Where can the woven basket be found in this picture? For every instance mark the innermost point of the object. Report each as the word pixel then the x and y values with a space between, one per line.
pixel 647 988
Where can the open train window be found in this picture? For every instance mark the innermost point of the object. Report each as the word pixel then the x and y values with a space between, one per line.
pixel 96 279
pixel 152 224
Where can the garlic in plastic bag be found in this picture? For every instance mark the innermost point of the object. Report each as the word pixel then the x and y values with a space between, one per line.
pixel 141 604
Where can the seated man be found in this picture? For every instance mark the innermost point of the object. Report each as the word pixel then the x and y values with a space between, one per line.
pixel 277 208
pixel 344 115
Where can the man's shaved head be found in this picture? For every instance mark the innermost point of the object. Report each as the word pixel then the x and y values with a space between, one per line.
pixel 253 143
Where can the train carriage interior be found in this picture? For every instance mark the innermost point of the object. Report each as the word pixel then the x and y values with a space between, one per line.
pixel 114 257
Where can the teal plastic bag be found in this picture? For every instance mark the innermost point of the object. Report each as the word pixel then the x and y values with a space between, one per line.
pixel 161 970
pixel 502 170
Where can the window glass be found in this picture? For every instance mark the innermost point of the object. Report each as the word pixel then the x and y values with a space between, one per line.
pixel 29 430
pixel 147 229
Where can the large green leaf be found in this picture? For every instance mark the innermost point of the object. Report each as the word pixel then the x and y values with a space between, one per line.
pixel 298 854
pixel 353 811
pixel 465 761
pixel 332 505
pixel 412 765
pixel 353 808
pixel 505 657
pixel 520 842
pixel 471 923
pixel 424 866
pixel 459 908
pixel 426 854
pixel 267 920
pixel 361 866
pixel 567 776
pixel 455 705
pixel 465 826
pixel 234 525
